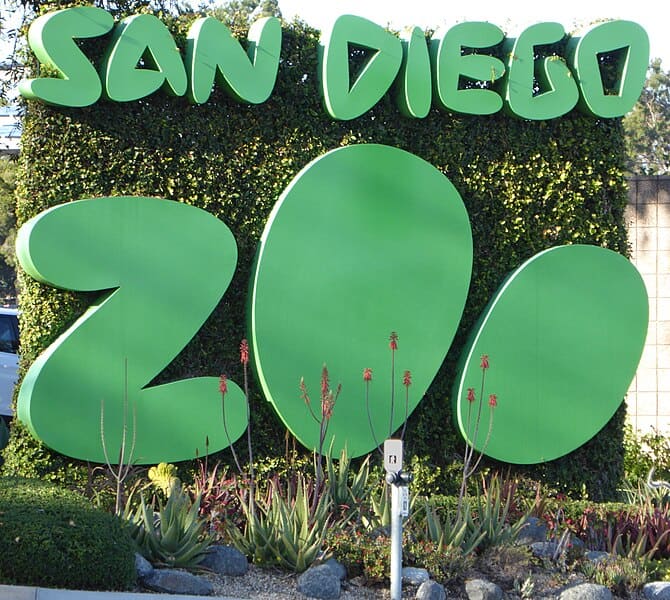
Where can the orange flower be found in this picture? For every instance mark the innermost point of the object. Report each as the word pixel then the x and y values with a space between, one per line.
pixel 325 384
pixel 223 384
pixel 493 400
pixel 303 391
pixel 471 394
pixel 407 378
pixel 327 406
pixel 244 352
pixel 394 341
pixel 485 361
pixel 367 374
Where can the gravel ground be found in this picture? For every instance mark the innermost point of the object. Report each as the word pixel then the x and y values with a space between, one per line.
pixel 273 584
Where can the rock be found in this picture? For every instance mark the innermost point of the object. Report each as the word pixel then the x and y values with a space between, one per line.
pixel 480 589
pixel 657 590
pixel 544 549
pixel 143 567
pixel 174 581
pixel 337 568
pixel 431 590
pixel 586 591
pixel 320 582
pixel 414 576
pixel 534 530
pixel 225 560
pixel 596 556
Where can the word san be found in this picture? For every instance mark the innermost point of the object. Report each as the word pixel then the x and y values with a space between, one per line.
pixel 451 70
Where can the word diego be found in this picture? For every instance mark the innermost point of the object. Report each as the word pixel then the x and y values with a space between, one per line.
pixel 451 69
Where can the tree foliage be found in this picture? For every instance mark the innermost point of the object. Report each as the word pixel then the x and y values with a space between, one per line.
pixel 7 229
pixel 647 126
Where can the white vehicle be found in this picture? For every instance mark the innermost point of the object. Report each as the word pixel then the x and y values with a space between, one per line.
pixel 9 358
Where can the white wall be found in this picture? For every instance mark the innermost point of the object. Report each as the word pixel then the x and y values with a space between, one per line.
pixel 648 220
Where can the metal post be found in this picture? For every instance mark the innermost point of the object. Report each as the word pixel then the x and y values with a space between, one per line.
pixel 396 543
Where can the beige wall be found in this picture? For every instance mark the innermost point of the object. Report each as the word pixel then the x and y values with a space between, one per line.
pixel 648 220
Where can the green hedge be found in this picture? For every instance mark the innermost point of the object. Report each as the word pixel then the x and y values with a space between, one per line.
pixel 52 537
pixel 527 186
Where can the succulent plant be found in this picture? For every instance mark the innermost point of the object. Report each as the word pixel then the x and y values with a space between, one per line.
pixel 173 536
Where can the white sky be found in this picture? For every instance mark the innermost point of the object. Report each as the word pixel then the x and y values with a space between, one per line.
pixel 511 15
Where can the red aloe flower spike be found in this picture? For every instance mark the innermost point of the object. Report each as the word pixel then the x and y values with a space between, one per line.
pixel 394 341
pixel 223 384
pixel 244 352
pixel 303 390
pixel 325 384
pixel 471 395
pixel 407 378
pixel 327 406
pixel 367 374
pixel 493 400
pixel 485 361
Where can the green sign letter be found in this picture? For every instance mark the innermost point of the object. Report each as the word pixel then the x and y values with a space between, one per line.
pixel 564 335
pixel 366 240
pixel 142 39
pixel 449 65
pixel 51 38
pixel 212 50
pixel 414 87
pixel 375 78
pixel 162 293
pixel 630 72
pixel 558 89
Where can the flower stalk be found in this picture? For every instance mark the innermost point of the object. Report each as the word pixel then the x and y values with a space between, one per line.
pixel 469 467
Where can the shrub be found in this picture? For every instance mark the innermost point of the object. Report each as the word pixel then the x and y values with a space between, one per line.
pixel 368 554
pixel 362 553
pixel 644 452
pixel 620 574
pixel 78 546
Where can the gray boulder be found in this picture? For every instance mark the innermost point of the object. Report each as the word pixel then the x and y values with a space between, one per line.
pixel 320 582
pixel 480 589
pixel 586 591
pixel 533 530
pixel 544 549
pixel 143 567
pixel 225 560
pixel 414 576
pixel 657 590
pixel 596 556
pixel 431 590
pixel 173 581
pixel 337 568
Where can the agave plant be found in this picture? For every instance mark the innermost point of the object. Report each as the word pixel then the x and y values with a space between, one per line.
pixel 287 527
pixel 175 535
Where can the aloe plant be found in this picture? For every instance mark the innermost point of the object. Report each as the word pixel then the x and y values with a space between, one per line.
pixel 348 491
pixel 459 531
pixel 492 513
pixel 287 528
pixel 174 536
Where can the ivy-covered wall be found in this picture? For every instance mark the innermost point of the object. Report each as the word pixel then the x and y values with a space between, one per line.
pixel 527 186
